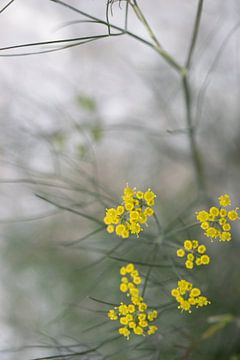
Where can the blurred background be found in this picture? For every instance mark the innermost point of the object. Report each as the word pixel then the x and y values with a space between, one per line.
pixel 76 126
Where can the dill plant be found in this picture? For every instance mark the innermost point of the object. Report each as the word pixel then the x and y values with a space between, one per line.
pixel 155 294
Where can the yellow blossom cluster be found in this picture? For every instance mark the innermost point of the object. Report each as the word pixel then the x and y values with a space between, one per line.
pixel 216 221
pixel 134 211
pixel 133 315
pixel 187 296
pixel 194 253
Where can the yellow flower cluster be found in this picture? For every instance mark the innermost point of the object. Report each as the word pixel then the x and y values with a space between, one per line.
pixel 134 211
pixel 187 296
pixel 133 315
pixel 194 252
pixel 215 222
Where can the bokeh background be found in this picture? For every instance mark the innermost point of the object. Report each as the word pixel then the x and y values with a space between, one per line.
pixel 76 126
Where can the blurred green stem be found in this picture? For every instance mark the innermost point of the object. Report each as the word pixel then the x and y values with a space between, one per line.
pixel 188 103
pixel 184 72
pixel 157 45
pixel 195 33
pixel 191 133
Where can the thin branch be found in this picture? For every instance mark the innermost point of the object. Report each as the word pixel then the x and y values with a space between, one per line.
pixel 160 50
pixel 195 34
pixel 66 208
pixel 6 6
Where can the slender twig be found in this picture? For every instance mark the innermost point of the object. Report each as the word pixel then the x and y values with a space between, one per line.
pixel 153 258
pixel 6 6
pixel 66 208
pixel 143 19
pixel 160 50
pixel 188 104
pixel 191 133
pixel 195 34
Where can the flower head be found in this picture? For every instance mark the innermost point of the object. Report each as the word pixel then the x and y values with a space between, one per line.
pixel 216 221
pixel 188 296
pixel 133 315
pixel 193 253
pixel 134 211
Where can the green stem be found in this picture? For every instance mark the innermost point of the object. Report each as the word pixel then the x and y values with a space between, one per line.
pixel 195 34
pixel 142 18
pixel 171 61
pixel 188 104
pixel 198 168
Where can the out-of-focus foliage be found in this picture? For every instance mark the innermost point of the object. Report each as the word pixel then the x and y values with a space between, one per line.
pixel 144 102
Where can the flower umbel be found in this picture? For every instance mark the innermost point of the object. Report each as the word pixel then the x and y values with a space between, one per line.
pixel 187 296
pixel 133 315
pixel 216 221
pixel 194 253
pixel 134 211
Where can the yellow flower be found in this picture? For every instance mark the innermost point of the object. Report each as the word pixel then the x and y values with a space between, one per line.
pixel 224 200
pixel 110 229
pixel 211 220
pixel 180 252
pixel 152 330
pixel 112 315
pixel 223 212
pixel 124 331
pixel 195 292
pixel 198 262
pixel 129 268
pixel 214 211
pixel 205 259
pixel 143 323
pixel 226 227
pixel 149 196
pixel 119 229
pixel 202 216
pixel 192 296
pixel 205 225
pixel 211 232
pixel 189 264
pixel 188 244
pixel 139 194
pixel 225 236
pixel 137 280
pixel 123 309
pixel 132 324
pixel 233 215
pixel 142 316
pixel 133 315
pixel 201 249
pixel 123 288
pixel 123 320
pixel 131 308
pixel 190 257
pixel 134 211
pixel 194 244
pixel 148 211
pixel 120 210
pixel 175 292
pixel 123 270
pixel 142 307
pixel 152 315
pixel 138 330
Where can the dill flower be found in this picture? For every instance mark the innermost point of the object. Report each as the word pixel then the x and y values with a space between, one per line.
pixel 216 221
pixel 194 253
pixel 188 296
pixel 135 210
pixel 133 315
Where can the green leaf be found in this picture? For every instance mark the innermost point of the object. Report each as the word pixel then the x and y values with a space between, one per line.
pixel 96 132
pixel 87 103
